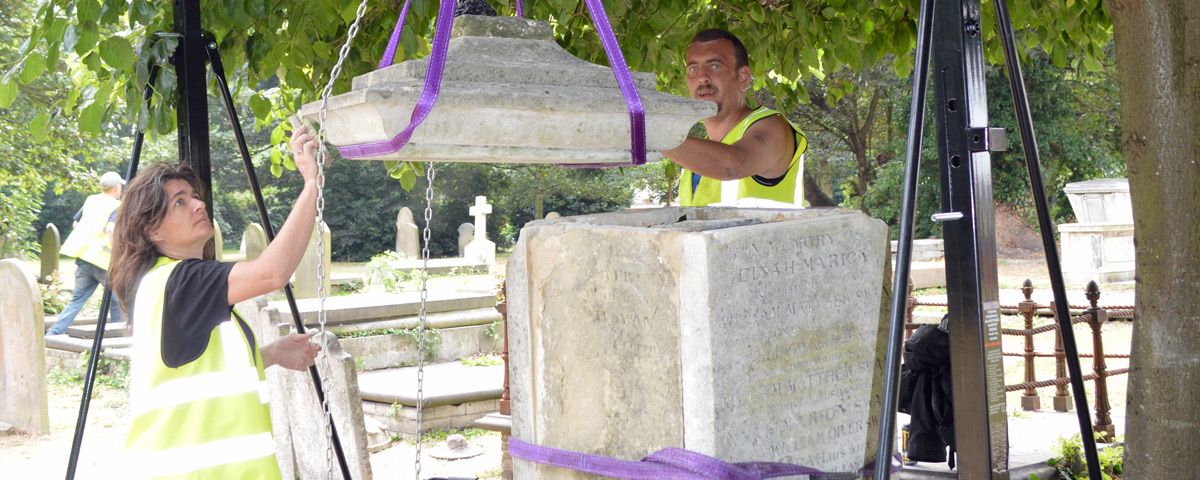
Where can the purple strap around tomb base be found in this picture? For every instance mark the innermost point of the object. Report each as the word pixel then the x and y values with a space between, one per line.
pixel 665 464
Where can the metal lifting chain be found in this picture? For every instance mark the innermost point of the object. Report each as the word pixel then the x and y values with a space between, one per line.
pixel 322 294
pixel 421 327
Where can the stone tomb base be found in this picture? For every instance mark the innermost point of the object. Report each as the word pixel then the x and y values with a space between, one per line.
pixel 745 334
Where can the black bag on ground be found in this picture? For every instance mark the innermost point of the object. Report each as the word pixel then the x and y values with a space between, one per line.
pixel 925 395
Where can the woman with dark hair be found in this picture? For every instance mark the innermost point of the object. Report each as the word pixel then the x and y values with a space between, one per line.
pixel 198 392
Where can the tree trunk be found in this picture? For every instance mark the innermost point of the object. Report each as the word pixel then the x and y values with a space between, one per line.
pixel 1158 64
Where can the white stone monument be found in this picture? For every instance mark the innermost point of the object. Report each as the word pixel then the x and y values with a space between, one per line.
pixel 254 241
pixel 22 351
pixel 408 240
pixel 1099 246
pixel 466 233
pixel 747 335
pixel 509 94
pixel 305 278
pixel 480 249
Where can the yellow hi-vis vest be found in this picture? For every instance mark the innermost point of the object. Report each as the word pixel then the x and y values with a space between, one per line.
pixel 787 191
pixel 207 419
pixel 89 241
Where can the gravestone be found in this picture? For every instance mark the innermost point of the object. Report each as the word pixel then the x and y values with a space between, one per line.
pixel 22 351
pixel 745 334
pixel 408 243
pixel 1099 246
pixel 552 216
pixel 218 242
pixel 298 422
pixel 50 245
pixel 466 233
pixel 254 241
pixel 480 249
pixel 305 279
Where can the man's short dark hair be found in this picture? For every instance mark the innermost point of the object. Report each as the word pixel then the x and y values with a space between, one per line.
pixel 739 50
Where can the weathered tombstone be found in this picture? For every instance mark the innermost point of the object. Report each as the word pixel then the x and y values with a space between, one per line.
pixel 296 416
pixel 254 241
pixel 22 351
pixel 305 278
pixel 480 249
pixel 466 233
pixel 408 243
pixel 1099 246
pixel 748 335
pixel 218 242
pixel 552 216
pixel 50 244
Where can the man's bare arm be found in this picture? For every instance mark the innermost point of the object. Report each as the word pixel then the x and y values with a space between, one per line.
pixel 764 150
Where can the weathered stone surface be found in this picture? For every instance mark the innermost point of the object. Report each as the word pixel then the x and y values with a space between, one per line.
pixel 508 100
pixel 408 240
pixel 305 279
pixel 400 349
pixel 1104 200
pixel 744 334
pixel 466 233
pixel 1099 246
pixel 50 245
pixel 254 241
pixel 22 351
pixel 363 308
pixel 300 424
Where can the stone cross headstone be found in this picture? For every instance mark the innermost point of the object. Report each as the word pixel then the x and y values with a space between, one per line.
pixel 218 242
pixel 296 416
pixel 22 351
pixel 480 249
pixel 305 278
pixel 50 245
pixel 254 241
pixel 744 334
pixel 408 240
pixel 466 233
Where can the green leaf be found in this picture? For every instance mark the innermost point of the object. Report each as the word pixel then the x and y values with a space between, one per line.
pixel 88 37
pixel 408 179
pixel 1059 56
pixel 38 126
pixel 87 11
pixel 91 117
pixel 141 12
pixel 829 12
pixel 8 92
pixel 276 169
pixel 112 11
pixel 34 65
pixel 117 53
pixel 260 106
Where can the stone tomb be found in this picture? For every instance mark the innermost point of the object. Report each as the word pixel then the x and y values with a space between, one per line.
pixel 748 335
pixel 22 352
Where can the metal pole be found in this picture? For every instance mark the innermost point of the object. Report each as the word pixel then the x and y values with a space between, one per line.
pixel 908 206
pixel 223 84
pixel 1046 226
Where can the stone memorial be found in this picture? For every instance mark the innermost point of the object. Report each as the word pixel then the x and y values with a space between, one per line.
pixel 254 241
pixel 480 249
pixel 744 334
pixel 304 280
pixel 1099 247
pixel 22 351
pixel 466 233
pixel 218 242
pixel 552 216
pixel 408 239
pixel 509 94
pixel 50 246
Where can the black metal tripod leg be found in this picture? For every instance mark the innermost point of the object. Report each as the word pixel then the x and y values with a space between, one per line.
pixel 218 68
pixel 88 382
pixel 1046 225
pixel 908 206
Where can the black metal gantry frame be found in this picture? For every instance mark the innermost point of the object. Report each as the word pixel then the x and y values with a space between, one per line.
pixel 951 29
pixel 196 51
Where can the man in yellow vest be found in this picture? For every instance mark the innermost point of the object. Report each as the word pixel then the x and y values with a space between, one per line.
pixel 750 157
pixel 90 243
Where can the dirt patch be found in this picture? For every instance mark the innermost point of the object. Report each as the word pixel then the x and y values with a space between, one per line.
pixel 1015 238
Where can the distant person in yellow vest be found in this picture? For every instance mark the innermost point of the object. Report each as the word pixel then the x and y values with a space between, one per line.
pixel 198 392
pixel 750 156
pixel 90 243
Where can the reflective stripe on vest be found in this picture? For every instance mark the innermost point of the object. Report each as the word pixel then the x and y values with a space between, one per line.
pixel 89 240
pixel 787 191
pixel 206 419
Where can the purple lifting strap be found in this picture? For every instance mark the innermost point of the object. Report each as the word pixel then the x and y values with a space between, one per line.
pixel 520 9
pixel 668 463
pixel 437 63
